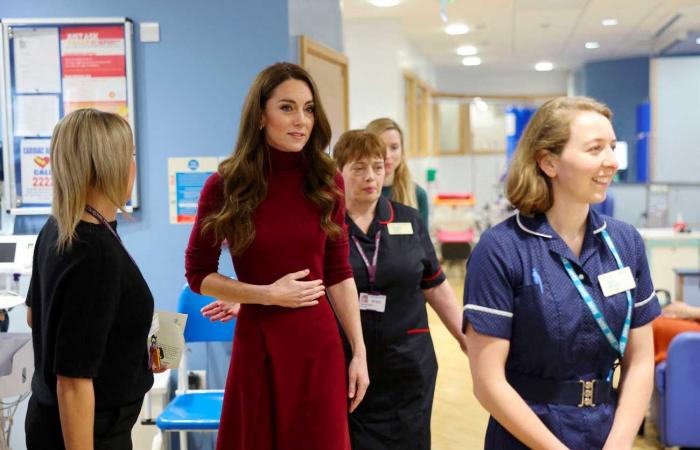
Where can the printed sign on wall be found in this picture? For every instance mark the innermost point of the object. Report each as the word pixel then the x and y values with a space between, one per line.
pixel 36 170
pixel 186 177
pixel 94 68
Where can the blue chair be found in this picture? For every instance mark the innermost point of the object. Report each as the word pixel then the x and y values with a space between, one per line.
pixel 676 397
pixel 194 410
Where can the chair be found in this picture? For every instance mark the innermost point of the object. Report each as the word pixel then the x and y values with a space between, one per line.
pixel 194 410
pixel 676 397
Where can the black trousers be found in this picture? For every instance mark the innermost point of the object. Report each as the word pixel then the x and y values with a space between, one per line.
pixel 112 429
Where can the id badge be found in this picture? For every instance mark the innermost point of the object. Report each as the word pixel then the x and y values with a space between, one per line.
pixel 372 302
pixel 398 228
pixel 617 281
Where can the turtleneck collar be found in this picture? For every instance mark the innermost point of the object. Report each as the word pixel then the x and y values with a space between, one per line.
pixel 281 160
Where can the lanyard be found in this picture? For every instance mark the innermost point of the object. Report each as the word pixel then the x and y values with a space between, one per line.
pixel 371 268
pixel 94 213
pixel 620 345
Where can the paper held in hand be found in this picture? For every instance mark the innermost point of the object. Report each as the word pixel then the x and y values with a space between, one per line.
pixel 166 340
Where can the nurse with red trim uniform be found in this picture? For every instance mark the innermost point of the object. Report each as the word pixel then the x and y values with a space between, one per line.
pixel 396 272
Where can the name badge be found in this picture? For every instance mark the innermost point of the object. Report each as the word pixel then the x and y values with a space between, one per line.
pixel 397 228
pixel 372 302
pixel 617 281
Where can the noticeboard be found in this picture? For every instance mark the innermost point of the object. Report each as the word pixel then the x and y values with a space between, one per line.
pixel 50 67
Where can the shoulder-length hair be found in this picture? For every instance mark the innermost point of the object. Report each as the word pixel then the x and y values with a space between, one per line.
pixel 402 190
pixel 90 149
pixel 244 175
pixel 528 188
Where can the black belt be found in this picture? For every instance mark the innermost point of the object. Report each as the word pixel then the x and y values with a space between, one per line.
pixel 581 393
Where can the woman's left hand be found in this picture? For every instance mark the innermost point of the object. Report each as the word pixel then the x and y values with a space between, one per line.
pixel 221 311
pixel 160 369
pixel 681 310
pixel 358 378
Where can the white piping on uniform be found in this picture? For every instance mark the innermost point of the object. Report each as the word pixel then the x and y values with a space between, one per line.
pixel 497 312
pixel 644 302
pixel 520 224
pixel 605 225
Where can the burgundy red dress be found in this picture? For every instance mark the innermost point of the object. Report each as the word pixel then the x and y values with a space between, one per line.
pixel 287 381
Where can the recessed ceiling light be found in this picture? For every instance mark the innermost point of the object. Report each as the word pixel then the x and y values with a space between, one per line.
pixel 609 22
pixel 385 3
pixel 456 28
pixel 544 66
pixel 467 50
pixel 592 45
pixel 471 61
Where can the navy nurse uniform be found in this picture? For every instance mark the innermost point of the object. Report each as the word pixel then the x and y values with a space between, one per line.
pixel 395 413
pixel 517 289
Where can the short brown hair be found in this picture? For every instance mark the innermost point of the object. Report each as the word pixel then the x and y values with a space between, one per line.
pixel 355 145
pixel 527 187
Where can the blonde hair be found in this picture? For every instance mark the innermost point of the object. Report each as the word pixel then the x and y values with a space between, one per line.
pixel 89 149
pixel 527 187
pixel 355 145
pixel 402 190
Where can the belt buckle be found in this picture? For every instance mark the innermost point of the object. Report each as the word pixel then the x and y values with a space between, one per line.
pixel 587 393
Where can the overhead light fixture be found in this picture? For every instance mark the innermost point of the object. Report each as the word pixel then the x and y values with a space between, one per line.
pixel 467 50
pixel 544 66
pixel 471 61
pixel 456 28
pixel 609 22
pixel 697 41
pixel 592 45
pixel 384 3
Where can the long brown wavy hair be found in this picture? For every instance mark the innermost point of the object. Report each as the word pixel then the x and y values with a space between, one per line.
pixel 244 172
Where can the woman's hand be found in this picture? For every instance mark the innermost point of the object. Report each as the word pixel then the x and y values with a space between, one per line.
pixel 289 292
pixel 358 380
pixel 162 367
pixel 221 311
pixel 681 310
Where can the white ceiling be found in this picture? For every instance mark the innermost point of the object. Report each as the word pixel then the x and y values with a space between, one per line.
pixel 514 34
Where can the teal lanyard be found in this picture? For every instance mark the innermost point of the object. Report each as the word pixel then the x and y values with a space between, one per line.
pixel 620 345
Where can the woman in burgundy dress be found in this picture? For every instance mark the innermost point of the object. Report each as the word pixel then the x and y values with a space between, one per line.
pixel 277 202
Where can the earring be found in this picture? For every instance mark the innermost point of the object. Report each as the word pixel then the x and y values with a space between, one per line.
pixel 262 126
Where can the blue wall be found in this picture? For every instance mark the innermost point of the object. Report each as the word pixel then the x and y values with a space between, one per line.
pixel 621 84
pixel 189 90
pixel 321 20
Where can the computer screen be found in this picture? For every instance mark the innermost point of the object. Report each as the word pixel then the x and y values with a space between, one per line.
pixel 7 252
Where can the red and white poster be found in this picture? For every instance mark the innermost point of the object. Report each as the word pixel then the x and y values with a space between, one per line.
pixel 93 68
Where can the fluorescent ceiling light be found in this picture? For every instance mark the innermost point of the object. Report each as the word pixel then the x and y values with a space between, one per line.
pixel 609 22
pixel 456 28
pixel 471 61
pixel 592 45
pixel 384 3
pixel 467 50
pixel 544 66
